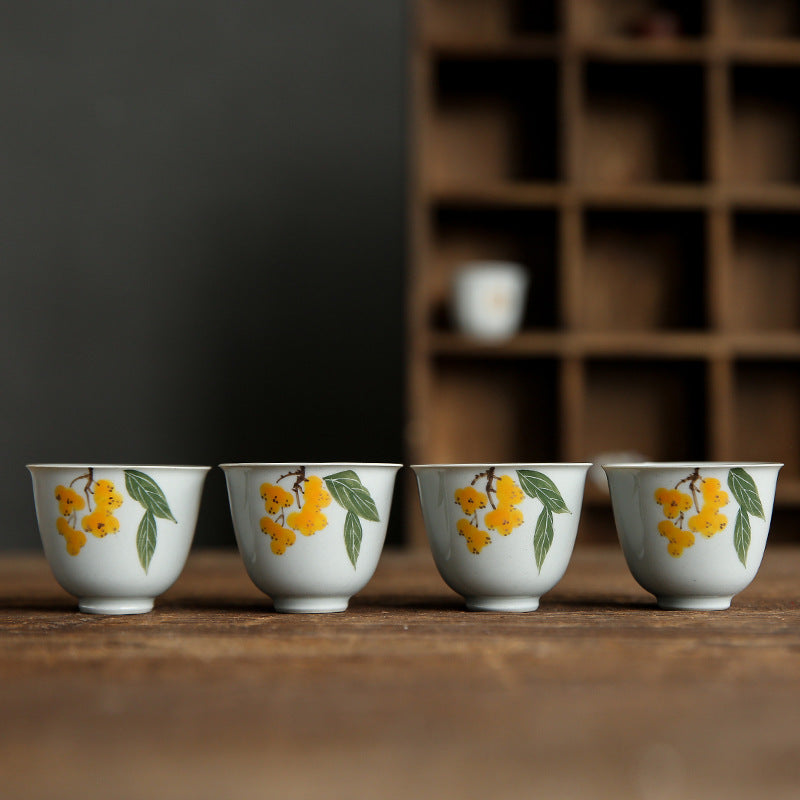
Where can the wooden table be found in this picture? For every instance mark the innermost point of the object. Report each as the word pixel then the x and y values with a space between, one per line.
pixel 597 694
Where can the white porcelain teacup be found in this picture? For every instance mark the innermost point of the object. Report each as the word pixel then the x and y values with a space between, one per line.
pixel 501 534
pixel 693 533
pixel 116 536
pixel 489 299
pixel 310 535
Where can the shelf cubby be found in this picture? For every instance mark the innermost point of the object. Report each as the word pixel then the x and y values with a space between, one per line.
pixel 760 19
pixel 644 123
pixel 447 21
pixel 519 235
pixel 654 408
pixel 639 19
pixel 644 270
pixel 765 132
pixel 494 121
pixel 494 411
pixel 766 420
pixel 765 272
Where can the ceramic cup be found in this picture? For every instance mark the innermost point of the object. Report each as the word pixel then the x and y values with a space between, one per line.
pixel 501 535
pixel 310 535
pixel 489 299
pixel 693 534
pixel 116 537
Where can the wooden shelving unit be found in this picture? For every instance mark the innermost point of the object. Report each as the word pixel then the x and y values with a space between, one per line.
pixel 642 160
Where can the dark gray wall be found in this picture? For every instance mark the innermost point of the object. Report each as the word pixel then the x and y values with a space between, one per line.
pixel 201 237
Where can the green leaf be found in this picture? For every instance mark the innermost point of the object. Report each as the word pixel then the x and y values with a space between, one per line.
pixel 540 487
pixel 146 491
pixel 741 535
pixel 352 495
pixel 352 536
pixel 543 536
pixel 743 488
pixel 146 539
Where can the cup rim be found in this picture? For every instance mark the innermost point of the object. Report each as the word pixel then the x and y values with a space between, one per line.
pixel 512 465
pixel 314 464
pixel 117 466
pixel 654 465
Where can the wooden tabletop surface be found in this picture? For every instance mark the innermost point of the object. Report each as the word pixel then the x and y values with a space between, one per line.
pixel 406 695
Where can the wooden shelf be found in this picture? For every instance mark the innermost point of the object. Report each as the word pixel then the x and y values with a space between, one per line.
pixel 643 51
pixel 774 52
pixel 612 344
pixel 538 195
pixel 644 167
pixel 519 194
pixel 520 48
pixel 765 52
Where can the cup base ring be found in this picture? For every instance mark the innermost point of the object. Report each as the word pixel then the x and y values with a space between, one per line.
pixel 698 603
pixel 504 604
pixel 310 605
pixel 115 605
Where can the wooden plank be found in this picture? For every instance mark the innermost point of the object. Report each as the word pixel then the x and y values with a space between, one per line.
pixel 626 50
pixel 518 48
pixel 522 194
pixel 597 694
pixel 772 346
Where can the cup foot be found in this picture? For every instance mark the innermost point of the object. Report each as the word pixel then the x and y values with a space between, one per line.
pixel 512 604
pixel 310 605
pixel 700 603
pixel 115 605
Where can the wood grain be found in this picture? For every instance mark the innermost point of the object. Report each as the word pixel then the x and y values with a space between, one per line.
pixel 597 694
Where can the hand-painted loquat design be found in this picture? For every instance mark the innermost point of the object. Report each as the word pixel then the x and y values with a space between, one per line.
pixel 504 495
pixel 706 497
pixel 100 520
pixel 310 494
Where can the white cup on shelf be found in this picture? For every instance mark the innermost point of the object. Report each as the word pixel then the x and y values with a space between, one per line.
pixel 488 299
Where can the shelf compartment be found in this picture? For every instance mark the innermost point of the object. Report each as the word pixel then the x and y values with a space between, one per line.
pixel 764 19
pixel 490 411
pixel 487 20
pixel 765 272
pixel 639 19
pixel 765 135
pixel 643 271
pixel 494 121
pixel 526 237
pixel 643 124
pixel 657 409
pixel 766 419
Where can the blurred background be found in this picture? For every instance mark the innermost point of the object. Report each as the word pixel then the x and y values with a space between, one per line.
pixel 202 234
pixel 229 232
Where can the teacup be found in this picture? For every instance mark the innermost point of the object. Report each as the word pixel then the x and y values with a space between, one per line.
pixel 693 533
pixel 115 536
pixel 501 534
pixel 310 535
pixel 489 299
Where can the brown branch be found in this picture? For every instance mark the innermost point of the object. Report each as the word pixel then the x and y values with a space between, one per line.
pixel 89 475
pixel 478 477
pixel 297 487
pixel 489 486
pixel 85 475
